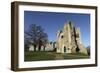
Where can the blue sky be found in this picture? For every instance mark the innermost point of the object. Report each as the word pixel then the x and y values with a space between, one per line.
pixel 51 22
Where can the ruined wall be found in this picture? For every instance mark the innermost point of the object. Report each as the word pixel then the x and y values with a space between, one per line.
pixel 69 40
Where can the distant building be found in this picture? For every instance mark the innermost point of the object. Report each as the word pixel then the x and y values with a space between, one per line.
pixel 50 46
pixel 69 40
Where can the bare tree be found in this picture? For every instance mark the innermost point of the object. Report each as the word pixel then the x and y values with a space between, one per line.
pixel 36 36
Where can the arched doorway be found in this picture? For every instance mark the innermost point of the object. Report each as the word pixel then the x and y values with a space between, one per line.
pixel 64 48
pixel 77 49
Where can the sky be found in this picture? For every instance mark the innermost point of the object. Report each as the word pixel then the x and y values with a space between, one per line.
pixel 51 22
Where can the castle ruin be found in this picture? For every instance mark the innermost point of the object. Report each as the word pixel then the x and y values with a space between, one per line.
pixel 69 40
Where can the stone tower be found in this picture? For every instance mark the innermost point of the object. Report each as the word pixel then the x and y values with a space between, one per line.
pixel 69 40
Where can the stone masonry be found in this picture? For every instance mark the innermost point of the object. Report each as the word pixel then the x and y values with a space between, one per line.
pixel 69 40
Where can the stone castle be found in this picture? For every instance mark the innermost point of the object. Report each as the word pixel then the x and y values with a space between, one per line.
pixel 68 41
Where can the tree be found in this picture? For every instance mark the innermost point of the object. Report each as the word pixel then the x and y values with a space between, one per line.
pixel 36 36
pixel 44 40
pixel 26 41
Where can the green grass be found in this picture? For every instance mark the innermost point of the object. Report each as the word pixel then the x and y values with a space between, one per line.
pixel 39 56
pixel 75 56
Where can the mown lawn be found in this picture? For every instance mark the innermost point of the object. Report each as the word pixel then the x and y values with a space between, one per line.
pixel 39 56
pixel 76 56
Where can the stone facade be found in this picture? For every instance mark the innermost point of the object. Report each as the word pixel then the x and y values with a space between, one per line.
pixel 69 40
pixel 50 46
pixel 31 47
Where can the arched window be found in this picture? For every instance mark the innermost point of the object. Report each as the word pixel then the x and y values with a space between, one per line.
pixel 62 37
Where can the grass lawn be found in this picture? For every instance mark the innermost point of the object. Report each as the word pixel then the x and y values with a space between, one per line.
pixel 38 56
pixel 75 56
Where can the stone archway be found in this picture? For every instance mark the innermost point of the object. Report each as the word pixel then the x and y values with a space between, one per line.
pixel 64 49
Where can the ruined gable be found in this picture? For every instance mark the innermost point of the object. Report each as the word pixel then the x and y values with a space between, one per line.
pixel 69 40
